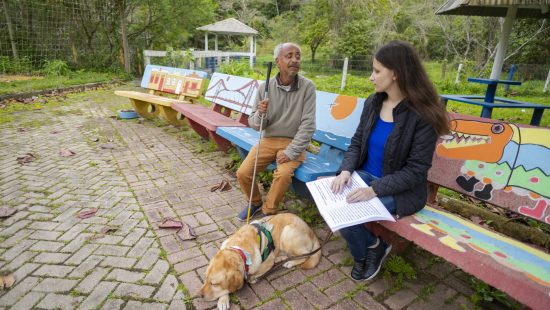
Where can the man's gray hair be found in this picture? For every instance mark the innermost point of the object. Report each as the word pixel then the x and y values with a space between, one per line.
pixel 279 47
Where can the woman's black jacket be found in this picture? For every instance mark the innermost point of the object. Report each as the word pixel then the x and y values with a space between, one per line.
pixel 407 154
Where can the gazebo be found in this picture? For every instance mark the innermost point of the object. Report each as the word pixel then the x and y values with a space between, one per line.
pixel 230 26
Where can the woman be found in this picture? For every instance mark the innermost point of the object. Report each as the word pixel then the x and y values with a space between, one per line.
pixel 392 148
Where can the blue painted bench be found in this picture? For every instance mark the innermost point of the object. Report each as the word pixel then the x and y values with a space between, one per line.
pixel 232 98
pixel 337 117
pixel 165 85
pixel 507 166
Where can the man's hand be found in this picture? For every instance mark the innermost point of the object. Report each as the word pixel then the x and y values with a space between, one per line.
pixel 262 106
pixel 282 158
pixel 343 179
pixel 360 194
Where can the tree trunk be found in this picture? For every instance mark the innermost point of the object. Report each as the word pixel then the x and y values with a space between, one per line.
pixel 10 30
pixel 313 51
pixel 125 47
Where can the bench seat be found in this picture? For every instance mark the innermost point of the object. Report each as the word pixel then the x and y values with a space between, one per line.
pixel 513 267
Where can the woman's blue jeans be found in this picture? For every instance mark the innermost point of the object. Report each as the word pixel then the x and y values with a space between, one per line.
pixel 358 237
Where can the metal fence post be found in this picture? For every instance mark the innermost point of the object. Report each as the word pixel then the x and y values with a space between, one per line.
pixel 457 80
pixel 547 82
pixel 344 74
pixel 510 76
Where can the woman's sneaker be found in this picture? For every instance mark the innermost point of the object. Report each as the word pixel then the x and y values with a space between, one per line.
pixel 244 213
pixel 375 258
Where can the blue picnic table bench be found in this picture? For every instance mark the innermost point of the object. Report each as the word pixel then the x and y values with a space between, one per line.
pixel 490 101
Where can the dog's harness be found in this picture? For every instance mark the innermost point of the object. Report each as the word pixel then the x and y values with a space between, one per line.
pixel 270 246
pixel 245 256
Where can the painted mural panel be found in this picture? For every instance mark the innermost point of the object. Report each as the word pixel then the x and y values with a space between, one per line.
pixel 338 114
pixel 153 75
pixel 234 92
pixel 498 162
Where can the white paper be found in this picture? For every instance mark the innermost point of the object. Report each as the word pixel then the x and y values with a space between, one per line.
pixel 337 212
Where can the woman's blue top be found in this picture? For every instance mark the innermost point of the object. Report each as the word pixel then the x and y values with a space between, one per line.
pixel 376 142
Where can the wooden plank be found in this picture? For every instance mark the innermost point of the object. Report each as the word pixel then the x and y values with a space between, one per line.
pixel 205 116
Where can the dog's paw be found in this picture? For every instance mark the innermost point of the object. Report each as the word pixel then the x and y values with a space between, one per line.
pixel 290 264
pixel 252 280
pixel 223 303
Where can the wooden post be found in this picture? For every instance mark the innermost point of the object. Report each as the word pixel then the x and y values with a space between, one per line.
pixel 206 41
pixel 344 74
pixel 547 82
pixel 443 68
pixel 457 80
pixel 251 51
pixel 216 42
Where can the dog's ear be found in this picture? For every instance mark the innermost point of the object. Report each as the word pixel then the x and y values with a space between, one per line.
pixel 235 280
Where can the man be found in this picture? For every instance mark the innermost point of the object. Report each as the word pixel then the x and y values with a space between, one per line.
pixel 288 124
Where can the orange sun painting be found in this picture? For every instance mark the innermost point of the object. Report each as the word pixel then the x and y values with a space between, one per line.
pixel 343 106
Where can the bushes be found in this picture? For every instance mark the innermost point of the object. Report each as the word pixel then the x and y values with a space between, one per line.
pixel 13 66
pixel 55 68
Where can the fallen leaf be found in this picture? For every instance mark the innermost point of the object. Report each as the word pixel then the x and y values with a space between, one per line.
pixel 186 233
pixel 66 153
pixel 95 139
pixel 107 229
pixel 54 132
pixel 87 213
pixel 170 223
pixel 27 158
pixel 6 281
pixel 21 129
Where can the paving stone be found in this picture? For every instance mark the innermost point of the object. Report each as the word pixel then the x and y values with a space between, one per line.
pixel 167 289
pixel 112 304
pixel 51 258
pixel 45 235
pixel 53 271
pixel 126 276
pixel 24 270
pixel 118 262
pixel 20 260
pixel 148 259
pixel 134 290
pixel 400 299
pixel 191 282
pixel 28 301
pixel 340 290
pixel 57 301
pixel 276 303
pixel 313 295
pixel 90 263
pixel 19 290
pixel 98 295
pixel 364 299
pixel 191 264
pixel 296 301
pixel 91 281
pixel 288 280
pixel 328 278
pixel 141 247
pixel 157 273
pixel 49 246
pixel 51 285
pixel 112 250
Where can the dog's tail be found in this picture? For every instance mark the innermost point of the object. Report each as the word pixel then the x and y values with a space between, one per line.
pixel 314 259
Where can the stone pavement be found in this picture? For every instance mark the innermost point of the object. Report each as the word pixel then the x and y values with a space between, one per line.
pixel 154 172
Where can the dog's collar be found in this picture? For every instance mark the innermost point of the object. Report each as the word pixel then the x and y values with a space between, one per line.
pixel 270 246
pixel 245 256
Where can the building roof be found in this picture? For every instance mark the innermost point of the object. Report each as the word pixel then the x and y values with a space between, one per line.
pixel 229 26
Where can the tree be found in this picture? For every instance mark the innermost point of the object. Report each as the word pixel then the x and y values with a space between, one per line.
pixel 315 24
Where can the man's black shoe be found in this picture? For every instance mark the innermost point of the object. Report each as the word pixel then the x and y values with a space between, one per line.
pixel 358 270
pixel 375 258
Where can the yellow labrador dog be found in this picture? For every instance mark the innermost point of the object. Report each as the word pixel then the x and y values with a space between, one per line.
pixel 248 254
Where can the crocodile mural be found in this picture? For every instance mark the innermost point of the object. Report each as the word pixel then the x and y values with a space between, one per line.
pixel 502 156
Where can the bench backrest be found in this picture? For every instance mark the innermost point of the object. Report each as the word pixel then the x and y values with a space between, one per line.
pixel 232 93
pixel 181 82
pixel 337 118
pixel 504 164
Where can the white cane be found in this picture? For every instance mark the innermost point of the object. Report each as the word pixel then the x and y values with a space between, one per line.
pixel 262 116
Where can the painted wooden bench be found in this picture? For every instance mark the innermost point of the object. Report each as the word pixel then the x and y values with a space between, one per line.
pixel 232 98
pixel 507 166
pixel 165 86
pixel 337 117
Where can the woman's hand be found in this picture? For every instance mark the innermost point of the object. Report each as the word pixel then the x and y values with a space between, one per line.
pixel 343 179
pixel 360 194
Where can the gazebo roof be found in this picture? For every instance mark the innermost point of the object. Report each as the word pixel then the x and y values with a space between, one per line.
pixel 229 26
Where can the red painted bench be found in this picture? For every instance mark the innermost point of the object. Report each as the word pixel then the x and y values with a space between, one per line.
pixel 165 86
pixel 508 166
pixel 232 98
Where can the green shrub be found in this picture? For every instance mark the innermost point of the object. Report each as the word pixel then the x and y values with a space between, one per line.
pixel 10 65
pixel 56 68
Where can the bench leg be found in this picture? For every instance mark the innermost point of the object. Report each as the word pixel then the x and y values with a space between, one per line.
pixel 486 112
pixel 171 116
pixel 145 109
pixel 537 117
pixel 222 143
pixel 198 128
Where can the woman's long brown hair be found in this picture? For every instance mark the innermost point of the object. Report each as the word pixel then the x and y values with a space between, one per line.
pixel 413 81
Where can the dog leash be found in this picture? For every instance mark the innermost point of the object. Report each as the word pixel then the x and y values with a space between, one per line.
pixel 279 264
